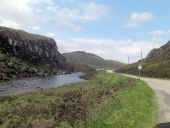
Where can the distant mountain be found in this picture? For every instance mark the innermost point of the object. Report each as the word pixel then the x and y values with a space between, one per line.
pixel 81 57
pixel 156 64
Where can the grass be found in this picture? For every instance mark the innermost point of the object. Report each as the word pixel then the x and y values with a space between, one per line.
pixel 108 100
pixel 25 36
pixel 155 67
pixel 156 64
pixel 106 64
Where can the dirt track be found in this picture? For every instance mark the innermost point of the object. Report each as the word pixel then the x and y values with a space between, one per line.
pixel 162 90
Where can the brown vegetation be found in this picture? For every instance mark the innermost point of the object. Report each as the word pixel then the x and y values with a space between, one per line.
pixel 72 107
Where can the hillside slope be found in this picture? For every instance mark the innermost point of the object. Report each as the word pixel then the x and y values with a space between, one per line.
pixel 20 48
pixel 81 57
pixel 156 64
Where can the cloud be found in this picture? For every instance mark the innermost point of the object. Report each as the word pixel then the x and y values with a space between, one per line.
pixel 159 33
pixel 35 28
pixel 88 12
pixel 107 48
pixel 118 50
pixel 139 18
pixel 69 26
pixel 111 49
pixel 94 12
pixel 52 8
pixel 8 23
pixel 20 13
pixel 51 34
pixel 68 14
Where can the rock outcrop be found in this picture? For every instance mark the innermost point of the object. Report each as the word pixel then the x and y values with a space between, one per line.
pixel 162 52
pixel 38 51
pixel 152 53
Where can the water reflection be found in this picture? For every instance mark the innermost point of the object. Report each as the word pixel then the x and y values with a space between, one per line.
pixel 35 83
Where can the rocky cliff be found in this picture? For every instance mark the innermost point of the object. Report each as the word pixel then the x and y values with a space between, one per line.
pixel 39 52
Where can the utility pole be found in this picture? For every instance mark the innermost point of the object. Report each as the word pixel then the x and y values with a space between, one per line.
pixel 141 56
pixel 128 59
pixel 140 65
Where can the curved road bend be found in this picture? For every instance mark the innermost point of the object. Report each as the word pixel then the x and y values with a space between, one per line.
pixel 162 90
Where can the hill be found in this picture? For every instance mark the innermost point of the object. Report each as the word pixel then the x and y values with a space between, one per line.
pixel 156 64
pixel 81 57
pixel 26 54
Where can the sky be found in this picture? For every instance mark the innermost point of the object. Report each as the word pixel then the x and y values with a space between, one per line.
pixel 112 29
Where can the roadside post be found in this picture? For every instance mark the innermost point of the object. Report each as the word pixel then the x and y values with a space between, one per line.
pixel 139 67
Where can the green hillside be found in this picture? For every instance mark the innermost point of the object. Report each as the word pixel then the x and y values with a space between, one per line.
pixel 81 57
pixel 156 64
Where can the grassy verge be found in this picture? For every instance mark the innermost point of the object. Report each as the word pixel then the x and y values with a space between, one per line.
pixel 151 68
pixel 108 100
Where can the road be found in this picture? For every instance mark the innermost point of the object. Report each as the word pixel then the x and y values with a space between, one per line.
pixel 162 90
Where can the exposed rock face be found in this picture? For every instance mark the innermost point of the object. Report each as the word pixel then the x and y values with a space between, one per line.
pixel 36 50
pixel 152 53
pixel 162 52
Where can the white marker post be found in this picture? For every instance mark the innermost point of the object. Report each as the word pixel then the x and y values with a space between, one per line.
pixel 139 67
